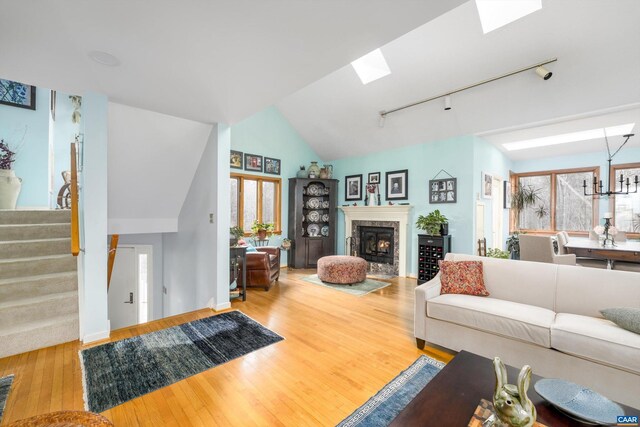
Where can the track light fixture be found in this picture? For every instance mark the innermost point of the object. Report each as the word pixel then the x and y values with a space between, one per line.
pixel 544 73
pixel 447 103
pixel 539 68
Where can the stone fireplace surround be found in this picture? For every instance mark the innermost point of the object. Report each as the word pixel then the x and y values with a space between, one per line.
pixel 396 216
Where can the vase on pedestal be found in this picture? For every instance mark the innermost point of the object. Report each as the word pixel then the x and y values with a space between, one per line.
pixel 10 186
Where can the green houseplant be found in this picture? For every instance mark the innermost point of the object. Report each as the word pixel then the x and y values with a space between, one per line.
pixel 434 223
pixel 262 229
pixel 235 234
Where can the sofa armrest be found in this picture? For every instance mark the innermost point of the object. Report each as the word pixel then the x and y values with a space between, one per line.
pixel 271 250
pixel 258 261
pixel 424 292
pixel 569 259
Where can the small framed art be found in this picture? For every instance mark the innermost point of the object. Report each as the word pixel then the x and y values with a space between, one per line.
pixel 443 190
pixel 252 162
pixel 235 159
pixel 353 187
pixel 272 166
pixel 397 185
pixel 17 94
pixel 374 178
pixel 487 184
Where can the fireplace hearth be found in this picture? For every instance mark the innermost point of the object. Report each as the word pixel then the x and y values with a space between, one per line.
pixel 376 244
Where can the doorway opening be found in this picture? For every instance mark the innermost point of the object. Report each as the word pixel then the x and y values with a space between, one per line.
pixel 497 211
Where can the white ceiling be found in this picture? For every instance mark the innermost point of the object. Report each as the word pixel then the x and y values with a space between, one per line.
pixel 211 61
pixel 598 68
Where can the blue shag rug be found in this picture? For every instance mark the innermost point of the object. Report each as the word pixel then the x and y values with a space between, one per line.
pixel 382 408
pixel 116 372
pixel 5 388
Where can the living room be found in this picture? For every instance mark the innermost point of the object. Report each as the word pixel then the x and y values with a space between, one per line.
pixel 168 162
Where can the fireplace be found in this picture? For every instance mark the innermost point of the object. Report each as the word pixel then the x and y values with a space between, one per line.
pixel 376 244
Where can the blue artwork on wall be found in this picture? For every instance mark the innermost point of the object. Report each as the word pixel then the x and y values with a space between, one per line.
pixel 17 94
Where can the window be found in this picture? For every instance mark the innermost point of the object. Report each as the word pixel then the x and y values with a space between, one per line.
pixel 626 208
pixel 255 198
pixel 561 203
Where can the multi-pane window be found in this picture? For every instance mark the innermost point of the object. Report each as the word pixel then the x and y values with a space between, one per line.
pixel 626 207
pixel 255 198
pixel 560 202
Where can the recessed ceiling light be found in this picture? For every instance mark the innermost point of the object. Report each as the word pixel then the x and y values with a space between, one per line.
pixel 565 138
pixel 497 13
pixel 371 67
pixel 104 58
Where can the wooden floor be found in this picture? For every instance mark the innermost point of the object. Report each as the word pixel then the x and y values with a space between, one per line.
pixel 338 351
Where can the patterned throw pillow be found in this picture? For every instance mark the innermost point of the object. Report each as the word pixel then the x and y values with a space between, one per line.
pixel 626 318
pixel 462 277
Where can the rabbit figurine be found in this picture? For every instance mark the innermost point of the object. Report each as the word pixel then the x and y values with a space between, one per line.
pixel 512 406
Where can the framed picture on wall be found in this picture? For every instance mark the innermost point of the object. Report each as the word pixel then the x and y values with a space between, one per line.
pixel 443 190
pixel 397 185
pixel 507 194
pixel 252 162
pixel 487 184
pixel 374 178
pixel 235 159
pixel 17 94
pixel 272 166
pixel 353 187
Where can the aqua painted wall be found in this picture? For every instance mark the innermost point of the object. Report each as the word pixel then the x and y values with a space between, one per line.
pixel 268 133
pixel 626 155
pixel 28 131
pixel 64 132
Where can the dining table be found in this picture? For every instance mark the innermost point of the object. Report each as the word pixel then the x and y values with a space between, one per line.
pixel 628 251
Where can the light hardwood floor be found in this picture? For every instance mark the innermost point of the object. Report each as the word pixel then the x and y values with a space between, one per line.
pixel 338 351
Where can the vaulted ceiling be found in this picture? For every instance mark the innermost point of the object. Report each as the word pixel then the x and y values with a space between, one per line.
pixel 211 61
pixel 598 68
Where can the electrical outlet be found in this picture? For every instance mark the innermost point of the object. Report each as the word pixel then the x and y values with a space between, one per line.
pixel 211 218
pixel 164 290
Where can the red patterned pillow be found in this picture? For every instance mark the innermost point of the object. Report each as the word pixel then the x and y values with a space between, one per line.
pixel 462 277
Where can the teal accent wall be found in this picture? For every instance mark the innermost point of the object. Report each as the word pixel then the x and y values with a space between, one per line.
pixel 28 131
pixel 269 134
pixel 626 155
pixel 64 132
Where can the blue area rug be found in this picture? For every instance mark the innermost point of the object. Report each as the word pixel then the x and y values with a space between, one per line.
pixel 116 372
pixel 5 388
pixel 382 408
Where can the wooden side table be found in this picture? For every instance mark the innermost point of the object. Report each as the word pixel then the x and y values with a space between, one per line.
pixel 238 255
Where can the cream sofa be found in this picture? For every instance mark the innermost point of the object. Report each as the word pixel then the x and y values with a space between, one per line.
pixel 544 315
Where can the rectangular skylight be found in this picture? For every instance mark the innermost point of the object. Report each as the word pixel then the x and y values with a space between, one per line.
pixel 371 67
pixel 497 13
pixel 565 138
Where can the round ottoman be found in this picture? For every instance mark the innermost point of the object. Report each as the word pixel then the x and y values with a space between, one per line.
pixel 342 269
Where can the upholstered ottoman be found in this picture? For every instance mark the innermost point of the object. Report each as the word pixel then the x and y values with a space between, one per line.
pixel 342 269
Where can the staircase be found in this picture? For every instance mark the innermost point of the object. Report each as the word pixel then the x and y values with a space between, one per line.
pixel 38 281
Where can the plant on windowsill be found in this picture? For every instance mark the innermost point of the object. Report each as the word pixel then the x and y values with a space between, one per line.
pixel 435 224
pixel 262 230
pixel 497 253
pixel 235 233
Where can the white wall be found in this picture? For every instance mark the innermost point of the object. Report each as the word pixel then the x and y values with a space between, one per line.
pixel 152 161
pixel 192 254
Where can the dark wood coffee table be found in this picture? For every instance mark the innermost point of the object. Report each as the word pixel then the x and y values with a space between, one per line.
pixel 452 396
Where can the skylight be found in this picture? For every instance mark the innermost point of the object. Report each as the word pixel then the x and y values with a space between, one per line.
pixel 498 13
pixel 565 138
pixel 371 67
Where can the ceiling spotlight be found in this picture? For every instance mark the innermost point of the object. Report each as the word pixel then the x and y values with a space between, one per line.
pixel 447 103
pixel 104 58
pixel 543 72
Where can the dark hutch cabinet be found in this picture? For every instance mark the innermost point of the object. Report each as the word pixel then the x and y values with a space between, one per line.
pixel 312 220
pixel 431 249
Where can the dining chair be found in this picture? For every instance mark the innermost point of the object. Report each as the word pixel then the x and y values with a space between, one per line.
pixel 563 239
pixel 620 237
pixel 540 249
pixel 593 235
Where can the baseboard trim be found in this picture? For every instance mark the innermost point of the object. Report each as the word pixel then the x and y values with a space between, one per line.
pixel 98 336
pixel 412 276
pixel 221 306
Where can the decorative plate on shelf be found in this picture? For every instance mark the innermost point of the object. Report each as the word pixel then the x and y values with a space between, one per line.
pixel 314 190
pixel 325 231
pixel 325 204
pixel 313 216
pixel 325 191
pixel 579 402
pixel 325 217
pixel 313 203
pixel 313 230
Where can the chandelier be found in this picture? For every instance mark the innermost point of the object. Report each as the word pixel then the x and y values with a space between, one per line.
pixel 597 188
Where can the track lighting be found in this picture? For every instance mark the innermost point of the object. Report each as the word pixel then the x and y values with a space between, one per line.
pixel 544 73
pixel 381 121
pixel 447 103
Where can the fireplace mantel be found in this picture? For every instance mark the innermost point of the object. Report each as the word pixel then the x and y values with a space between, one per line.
pixel 399 213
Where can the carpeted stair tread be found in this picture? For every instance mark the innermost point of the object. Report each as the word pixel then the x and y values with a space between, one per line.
pixel 17 288
pixel 34 216
pixel 38 334
pixel 35 324
pixel 37 299
pixel 65 274
pixel 34 231
pixel 22 267
pixel 15 249
pixel 24 311
pixel 44 257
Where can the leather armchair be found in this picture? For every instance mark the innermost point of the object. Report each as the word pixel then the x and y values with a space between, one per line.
pixel 263 267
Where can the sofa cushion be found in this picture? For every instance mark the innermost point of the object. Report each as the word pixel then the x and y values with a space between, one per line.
pixel 462 277
pixel 522 322
pixel 596 339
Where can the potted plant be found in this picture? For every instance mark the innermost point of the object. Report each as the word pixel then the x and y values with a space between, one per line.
pixel 235 233
pixel 286 244
pixel 435 224
pixel 10 185
pixel 497 253
pixel 262 230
